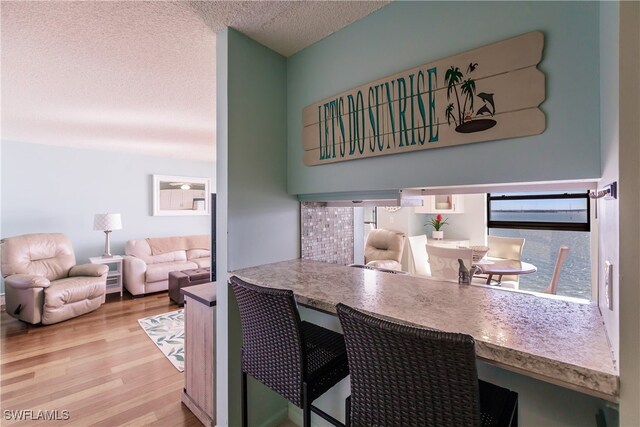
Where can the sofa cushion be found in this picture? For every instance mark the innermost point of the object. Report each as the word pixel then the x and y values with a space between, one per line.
pixel 198 253
pixel 138 248
pixel 161 245
pixel 202 262
pixel 157 272
pixel 141 249
pixel 177 256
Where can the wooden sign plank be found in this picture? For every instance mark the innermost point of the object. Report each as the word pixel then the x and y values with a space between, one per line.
pixel 507 55
pixel 528 122
pixel 526 89
pixel 457 100
pixel 529 80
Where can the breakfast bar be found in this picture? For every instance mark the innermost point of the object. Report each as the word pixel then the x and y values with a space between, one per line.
pixel 551 339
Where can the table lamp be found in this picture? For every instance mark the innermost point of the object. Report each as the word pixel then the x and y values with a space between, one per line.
pixel 107 222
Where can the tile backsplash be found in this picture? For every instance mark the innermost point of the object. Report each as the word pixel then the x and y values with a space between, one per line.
pixel 327 233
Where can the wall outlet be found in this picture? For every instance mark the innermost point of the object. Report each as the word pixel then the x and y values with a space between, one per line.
pixel 608 284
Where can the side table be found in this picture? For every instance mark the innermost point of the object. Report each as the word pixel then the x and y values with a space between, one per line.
pixel 114 277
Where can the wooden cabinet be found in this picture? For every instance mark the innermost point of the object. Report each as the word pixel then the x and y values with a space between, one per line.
pixel 199 394
pixel 178 199
pixel 441 204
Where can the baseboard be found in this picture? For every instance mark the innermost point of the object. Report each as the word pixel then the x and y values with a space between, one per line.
pixel 295 415
pixel 204 418
pixel 276 419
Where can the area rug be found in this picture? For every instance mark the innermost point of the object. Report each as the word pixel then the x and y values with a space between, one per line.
pixel 166 330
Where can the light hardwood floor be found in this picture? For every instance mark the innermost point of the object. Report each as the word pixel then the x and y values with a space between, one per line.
pixel 100 367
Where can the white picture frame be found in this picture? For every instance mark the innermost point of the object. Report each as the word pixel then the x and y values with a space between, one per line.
pixel 180 195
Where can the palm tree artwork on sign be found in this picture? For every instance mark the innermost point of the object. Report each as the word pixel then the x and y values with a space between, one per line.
pixel 463 119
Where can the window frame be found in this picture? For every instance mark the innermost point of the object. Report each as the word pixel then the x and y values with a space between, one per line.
pixel 541 225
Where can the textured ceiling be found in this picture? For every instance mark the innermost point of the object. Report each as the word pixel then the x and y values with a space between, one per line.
pixel 137 76
pixel 284 26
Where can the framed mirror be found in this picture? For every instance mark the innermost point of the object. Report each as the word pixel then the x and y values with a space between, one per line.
pixel 180 195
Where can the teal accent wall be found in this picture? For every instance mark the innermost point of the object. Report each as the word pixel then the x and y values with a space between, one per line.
pixel 403 35
pixel 263 217
pixel 259 219
pixel 46 188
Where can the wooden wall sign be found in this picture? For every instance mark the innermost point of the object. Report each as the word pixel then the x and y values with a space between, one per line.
pixel 485 94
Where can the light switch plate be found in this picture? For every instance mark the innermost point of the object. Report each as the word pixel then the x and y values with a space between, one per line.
pixel 608 284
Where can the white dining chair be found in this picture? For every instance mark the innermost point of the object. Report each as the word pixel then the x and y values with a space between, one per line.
pixel 444 264
pixel 419 256
pixel 562 256
pixel 507 248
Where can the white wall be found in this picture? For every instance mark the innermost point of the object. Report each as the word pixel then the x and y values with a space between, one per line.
pixel 45 188
pixel 618 219
pixel 608 226
pixel 471 224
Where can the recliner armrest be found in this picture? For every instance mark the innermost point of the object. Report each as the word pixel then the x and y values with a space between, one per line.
pixel 91 270
pixel 26 281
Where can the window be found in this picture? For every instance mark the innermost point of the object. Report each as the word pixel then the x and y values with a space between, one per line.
pixel 546 222
pixel 567 212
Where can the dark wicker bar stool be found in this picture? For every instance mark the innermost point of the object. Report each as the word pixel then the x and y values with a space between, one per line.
pixel 298 360
pixel 406 376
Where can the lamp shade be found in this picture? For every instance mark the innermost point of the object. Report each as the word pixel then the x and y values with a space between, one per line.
pixel 107 222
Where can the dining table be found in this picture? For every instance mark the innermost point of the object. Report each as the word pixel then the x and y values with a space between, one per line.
pixel 503 267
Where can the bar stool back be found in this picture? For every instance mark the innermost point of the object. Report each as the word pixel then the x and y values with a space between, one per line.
pixel 298 360
pixel 406 376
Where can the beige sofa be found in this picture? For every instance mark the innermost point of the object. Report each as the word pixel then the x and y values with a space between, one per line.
pixel 148 262
pixel 42 282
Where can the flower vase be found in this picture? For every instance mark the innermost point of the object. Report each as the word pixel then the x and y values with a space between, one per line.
pixel 437 235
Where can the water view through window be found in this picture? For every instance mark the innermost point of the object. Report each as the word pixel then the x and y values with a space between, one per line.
pixel 542 245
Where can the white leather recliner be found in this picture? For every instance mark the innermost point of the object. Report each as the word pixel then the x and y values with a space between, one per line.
pixel 42 282
pixel 384 249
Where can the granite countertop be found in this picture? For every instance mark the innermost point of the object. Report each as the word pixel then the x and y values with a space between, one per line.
pixel 562 342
